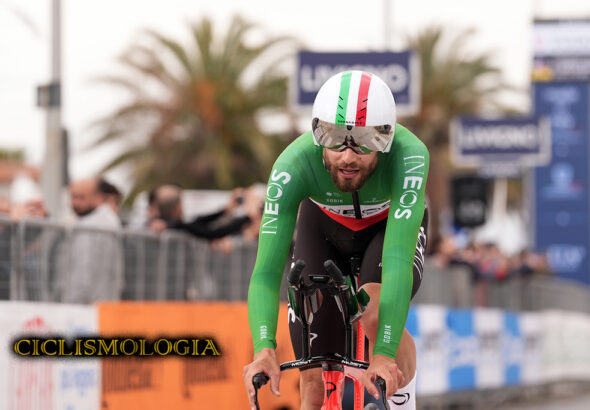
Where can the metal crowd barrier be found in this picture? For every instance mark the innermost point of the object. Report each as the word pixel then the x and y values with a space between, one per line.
pixel 447 287
pixel 43 261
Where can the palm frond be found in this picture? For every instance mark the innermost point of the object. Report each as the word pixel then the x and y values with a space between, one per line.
pixel 176 49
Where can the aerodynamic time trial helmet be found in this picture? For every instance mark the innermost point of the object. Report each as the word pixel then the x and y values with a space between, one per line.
pixel 354 109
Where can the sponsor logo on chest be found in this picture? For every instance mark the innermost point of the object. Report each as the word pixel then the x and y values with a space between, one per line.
pixel 274 192
pixel 348 210
pixel 413 178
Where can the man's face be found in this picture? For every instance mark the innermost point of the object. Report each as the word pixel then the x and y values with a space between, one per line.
pixel 84 196
pixel 349 170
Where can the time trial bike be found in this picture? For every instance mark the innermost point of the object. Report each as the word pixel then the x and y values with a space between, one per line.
pixel 305 300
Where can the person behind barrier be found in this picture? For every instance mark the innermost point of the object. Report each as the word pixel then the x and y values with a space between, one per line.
pixel 168 202
pixel 355 185
pixel 95 263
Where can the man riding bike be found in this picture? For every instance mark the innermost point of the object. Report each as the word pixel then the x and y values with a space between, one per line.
pixel 357 182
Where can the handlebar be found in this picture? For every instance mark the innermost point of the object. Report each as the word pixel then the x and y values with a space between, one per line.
pixel 334 272
pixel 260 379
pixel 294 276
pixel 303 299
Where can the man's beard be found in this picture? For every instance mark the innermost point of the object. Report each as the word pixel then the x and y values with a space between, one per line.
pixel 82 212
pixel 353 184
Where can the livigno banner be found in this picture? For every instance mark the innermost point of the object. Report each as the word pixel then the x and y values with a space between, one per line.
pixel 399 70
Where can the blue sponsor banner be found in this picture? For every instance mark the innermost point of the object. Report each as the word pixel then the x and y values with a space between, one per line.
pixel 524 140
pixel 81 380
pixel 513 349
pixel 400 70
pixel 463 349
pixel 561 203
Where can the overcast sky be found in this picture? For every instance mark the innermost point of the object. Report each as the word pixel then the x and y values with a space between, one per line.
pixel 96 32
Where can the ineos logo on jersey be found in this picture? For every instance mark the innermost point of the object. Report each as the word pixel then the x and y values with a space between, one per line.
pixel 408 198
pixel 274 191
pixel 414 165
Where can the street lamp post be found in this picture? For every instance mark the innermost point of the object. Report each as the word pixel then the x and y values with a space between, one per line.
pixel 53 176
pixel 387 24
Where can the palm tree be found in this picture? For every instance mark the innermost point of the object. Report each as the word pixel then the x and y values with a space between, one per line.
pixel 454 82
pixel 192 115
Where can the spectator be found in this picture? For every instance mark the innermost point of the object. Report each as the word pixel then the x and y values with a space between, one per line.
pixel 253 205
pixel 168 199
pixel 444 252
pixel 95 262
pixel 492 264
pixel 92 206
pixel 526 263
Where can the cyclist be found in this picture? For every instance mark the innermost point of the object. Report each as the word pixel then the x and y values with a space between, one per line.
pixel 356 183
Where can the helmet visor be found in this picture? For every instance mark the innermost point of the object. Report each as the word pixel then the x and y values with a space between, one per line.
pixel 360 139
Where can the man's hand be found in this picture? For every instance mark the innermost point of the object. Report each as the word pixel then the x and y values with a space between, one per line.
pixel 387 369
pixel 157 225
pixel 235 200
pixel 265 361
pixel 33 208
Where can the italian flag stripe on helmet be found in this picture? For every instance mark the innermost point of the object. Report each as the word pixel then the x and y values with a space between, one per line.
pixel 361 105
pixel 343 98
pixel 352 109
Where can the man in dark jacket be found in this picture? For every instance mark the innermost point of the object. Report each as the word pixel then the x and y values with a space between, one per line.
pixel 168 200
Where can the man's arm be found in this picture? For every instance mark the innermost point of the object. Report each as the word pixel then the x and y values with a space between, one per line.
pixel 202 230
pixel 283 195
pixel 411 162
pixel 210 217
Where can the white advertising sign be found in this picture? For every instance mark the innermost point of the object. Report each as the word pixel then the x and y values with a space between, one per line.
pixel 48 382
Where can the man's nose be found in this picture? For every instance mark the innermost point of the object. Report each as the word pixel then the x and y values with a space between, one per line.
pixel 348 155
